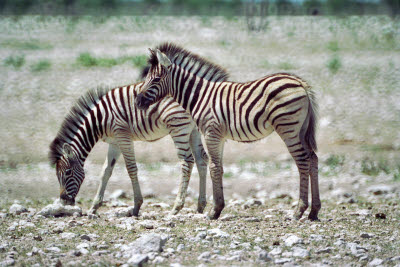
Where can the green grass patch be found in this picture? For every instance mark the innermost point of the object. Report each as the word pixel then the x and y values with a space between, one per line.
pixel 333 46
pixel 286 65
pixel 138 61
pixel 373 168
pixel 87 60
pixel 26 45
pixel 16 61
pixel 41 65
pixel 334 64
pixel 228 174
pixel 335 161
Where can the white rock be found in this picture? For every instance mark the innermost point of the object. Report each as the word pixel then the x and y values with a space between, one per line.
pixel 158 260
pixel 258 239
pixel 375 262
pixel 68 235
pixel 324 250
pixel 234 258
pixel 124 212
pixel 204 256
pixel 300 252
pixel 83 245
pixel 293 240
pixel 138 259
pixel 7 262
pixel 363 212
pixel 356 249
pixel 145 244
pixel 218 233
pixel 282 260
pixel 263 256
pixel 180 247
pixel 57 209
pixel 17 209
pixel 53 249
pixel 276 251
pixel 84 251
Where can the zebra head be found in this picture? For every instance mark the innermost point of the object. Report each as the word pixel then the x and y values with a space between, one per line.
pixel 70 175
pixel 157 83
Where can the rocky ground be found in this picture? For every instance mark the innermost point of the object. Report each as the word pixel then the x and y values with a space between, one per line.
pixel 353 65
pixel 359 225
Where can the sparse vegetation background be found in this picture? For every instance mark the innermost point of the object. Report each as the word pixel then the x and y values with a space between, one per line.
pixel 51 52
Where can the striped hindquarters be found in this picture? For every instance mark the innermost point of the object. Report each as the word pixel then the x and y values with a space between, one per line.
pixel 279 102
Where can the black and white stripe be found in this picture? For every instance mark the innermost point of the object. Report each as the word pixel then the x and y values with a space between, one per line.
pixel 111 116
pixel 243 112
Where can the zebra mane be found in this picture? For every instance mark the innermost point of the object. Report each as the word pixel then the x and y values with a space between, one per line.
pixel 190 62
pixel 74 118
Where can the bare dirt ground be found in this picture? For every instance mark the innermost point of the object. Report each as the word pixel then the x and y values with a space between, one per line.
pixel 353 65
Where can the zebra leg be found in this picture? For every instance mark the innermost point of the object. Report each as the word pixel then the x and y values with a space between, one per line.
pixel 201 159
pixel 126 147
pixel 316 202
pixel 302 159
pixel 112 157
pixel 185 155
pixel 215 147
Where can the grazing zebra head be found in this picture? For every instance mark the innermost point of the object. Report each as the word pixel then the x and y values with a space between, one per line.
pixel 70 174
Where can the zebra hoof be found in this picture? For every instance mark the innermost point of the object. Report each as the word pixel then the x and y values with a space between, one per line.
pixel 200 209
pixel 214 215
pixel 134 212
pixel 201 206
pixel 313 216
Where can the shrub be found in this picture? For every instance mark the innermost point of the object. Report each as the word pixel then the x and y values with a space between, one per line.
pixel 139 61
pixel 333 46
pixel 15 61
pixel 86 60
pixel 41 65
pixel 334 64
pixel 286 66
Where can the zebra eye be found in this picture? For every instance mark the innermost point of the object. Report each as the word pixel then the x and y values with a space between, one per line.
pixel 68 172
pixel 156 79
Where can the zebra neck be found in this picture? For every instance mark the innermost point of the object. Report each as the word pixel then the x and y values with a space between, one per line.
pixel 188 89
pixel 87 133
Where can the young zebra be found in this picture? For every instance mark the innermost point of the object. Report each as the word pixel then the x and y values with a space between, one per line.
pixel 111 116
pixel 243 112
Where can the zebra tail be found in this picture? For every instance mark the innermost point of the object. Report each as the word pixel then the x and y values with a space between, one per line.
pixel 309 128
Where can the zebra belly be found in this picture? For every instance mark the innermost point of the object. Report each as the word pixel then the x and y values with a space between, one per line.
pixel 149 136
pixel 253 134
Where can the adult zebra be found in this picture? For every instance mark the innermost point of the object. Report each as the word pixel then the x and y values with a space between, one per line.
pixel 111 116
pixel 243 112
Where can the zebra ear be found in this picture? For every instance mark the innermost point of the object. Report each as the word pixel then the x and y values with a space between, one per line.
pixel 152 51
pixel 67 149
pixel 163 59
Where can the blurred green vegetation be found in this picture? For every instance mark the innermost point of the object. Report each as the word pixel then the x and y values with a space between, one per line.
pixel 41 65
pixel 334 64
pixel 200 7
pixel 15 60
pixel 85 59
pixel 25 45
